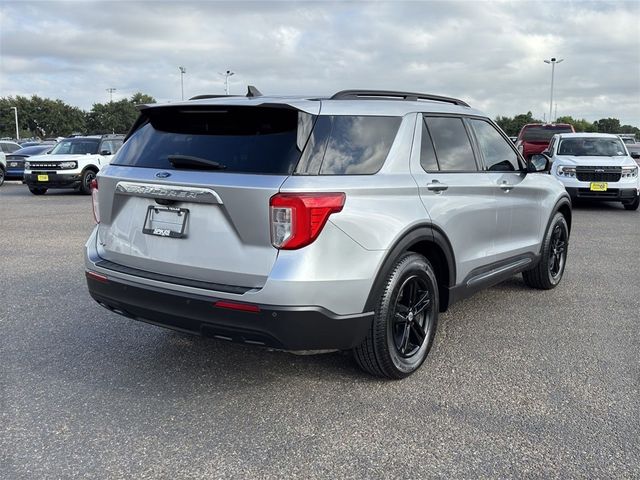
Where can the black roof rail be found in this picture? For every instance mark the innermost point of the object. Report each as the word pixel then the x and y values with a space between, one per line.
pixel 206 95
pixel 390 95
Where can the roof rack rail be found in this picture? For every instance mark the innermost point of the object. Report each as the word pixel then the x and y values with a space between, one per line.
pixel 390 95
pixel 206 95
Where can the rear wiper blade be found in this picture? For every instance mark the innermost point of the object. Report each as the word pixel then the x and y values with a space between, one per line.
pixel 186 161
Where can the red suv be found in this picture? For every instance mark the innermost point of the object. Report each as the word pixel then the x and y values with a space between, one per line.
pixel 535 137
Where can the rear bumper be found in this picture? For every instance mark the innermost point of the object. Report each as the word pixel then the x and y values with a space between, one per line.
pixel 611 195
pixel 56 180
pixel 288 328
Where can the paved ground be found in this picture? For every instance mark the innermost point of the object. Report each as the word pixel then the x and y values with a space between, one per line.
pixel 520 383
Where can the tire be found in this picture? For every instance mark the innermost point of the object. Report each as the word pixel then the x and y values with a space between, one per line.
pixel 38 190
pixel 548 273
pixel 632 205
pixel 1 176
pixel 85 182
pixel 405 320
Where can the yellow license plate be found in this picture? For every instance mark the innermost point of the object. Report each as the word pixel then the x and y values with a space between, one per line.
pixel 599 186
pixel 43 178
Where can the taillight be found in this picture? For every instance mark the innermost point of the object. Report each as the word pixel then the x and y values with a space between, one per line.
pixel 298 218
pixel 94 200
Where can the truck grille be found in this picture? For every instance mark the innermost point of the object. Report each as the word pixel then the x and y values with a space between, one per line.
pixel 45 165
pixel 598 174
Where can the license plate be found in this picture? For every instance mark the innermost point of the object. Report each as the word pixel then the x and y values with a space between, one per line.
pixel 43 178
pixel 166 221
pixel 599 186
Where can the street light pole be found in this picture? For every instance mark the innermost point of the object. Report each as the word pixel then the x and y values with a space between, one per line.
pixel 553 62
pixel 182 72
pixel 15 111
pixel 227 74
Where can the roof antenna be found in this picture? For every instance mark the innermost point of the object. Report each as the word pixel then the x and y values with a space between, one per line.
pixel 253 92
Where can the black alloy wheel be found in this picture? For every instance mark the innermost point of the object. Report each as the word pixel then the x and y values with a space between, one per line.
pixel 405 320
pixel 549 270
pixel 558 254
pixel 411 320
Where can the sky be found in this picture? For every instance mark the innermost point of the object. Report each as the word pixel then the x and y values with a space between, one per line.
pixel 488 53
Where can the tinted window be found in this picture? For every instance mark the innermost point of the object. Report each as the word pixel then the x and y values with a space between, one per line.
pixel 111 145
pixel 451 142
pixel 543 133
pixel 242 139
pixel 497 153
pixel 427 153
pixel 358 145
pixel 348 145
pixel 9 147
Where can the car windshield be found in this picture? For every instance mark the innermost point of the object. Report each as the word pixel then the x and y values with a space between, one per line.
pixel 591 147
pixel 76 146
pixel 543 133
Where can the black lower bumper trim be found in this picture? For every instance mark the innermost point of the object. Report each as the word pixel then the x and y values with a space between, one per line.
pixel 56 180
pixel 610 195
pixel 287 328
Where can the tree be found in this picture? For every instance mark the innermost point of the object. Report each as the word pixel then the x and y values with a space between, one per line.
pixel 579 125
pixel 607 125
pixel 512 126
pixel 39 117
pixel 115 117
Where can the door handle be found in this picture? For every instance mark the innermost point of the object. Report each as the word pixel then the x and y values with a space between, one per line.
pixel 436 186
pixel 506 186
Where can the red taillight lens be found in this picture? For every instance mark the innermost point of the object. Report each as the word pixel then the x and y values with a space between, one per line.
pixel 298 218
pixel 94 200
pixel 97 276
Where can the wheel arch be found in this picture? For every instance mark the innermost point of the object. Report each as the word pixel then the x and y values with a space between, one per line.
pixel 429 241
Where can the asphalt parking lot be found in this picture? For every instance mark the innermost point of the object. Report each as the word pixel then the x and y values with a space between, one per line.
pixel 519 384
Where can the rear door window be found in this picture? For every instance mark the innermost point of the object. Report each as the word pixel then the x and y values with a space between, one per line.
pixel 452 145
pixel 543 133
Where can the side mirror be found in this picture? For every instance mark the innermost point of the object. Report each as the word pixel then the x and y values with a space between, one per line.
pixel 105 152
pixel 538 163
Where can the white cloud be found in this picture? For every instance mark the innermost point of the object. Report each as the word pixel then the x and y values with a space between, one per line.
pixel 489 53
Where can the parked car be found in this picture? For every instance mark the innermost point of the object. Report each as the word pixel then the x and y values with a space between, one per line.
pixel 595 166
pixel 308 223
pixel 6 147
pixel 15 160
pixel 72 163
pixel 534 137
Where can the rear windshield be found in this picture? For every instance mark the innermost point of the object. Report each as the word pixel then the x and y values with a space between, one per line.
pixel 261 140
pixel 543 133
pixel 239 139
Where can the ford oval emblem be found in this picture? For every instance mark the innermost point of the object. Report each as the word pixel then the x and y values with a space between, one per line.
pixel 163 174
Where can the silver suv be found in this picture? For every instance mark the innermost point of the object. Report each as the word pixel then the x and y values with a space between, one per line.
pixel 308 223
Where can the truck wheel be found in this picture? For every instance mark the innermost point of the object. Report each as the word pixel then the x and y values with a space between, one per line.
pixel 1 176
pixel 548 273
pixel 85 183
pixel 38 190
pixel 405 320
pixel 632 205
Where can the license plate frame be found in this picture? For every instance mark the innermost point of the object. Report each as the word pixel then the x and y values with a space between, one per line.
pixel 43 177
pixel 599 186
pixel 168 222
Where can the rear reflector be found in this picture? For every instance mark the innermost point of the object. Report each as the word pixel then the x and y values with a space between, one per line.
pixel 243 307
pixel 97 277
